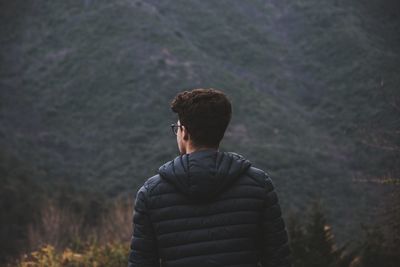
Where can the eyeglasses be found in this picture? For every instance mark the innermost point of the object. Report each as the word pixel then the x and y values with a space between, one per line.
pixel 174 128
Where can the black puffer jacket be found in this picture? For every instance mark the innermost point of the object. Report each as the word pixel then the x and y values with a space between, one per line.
pixel 208 208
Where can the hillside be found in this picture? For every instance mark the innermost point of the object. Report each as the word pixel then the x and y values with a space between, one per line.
pixel 86 86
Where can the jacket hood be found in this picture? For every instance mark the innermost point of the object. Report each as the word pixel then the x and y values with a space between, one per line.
pixel 204 174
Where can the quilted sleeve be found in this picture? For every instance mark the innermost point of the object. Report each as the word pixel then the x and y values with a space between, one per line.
pixel 276 251
pixel 143 248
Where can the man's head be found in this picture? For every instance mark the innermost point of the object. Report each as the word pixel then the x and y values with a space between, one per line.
pixel 205 115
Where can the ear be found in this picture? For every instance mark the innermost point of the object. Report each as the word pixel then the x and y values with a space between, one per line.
pixel 186 135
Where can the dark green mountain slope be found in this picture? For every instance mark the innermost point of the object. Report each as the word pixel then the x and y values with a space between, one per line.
pixel 86 85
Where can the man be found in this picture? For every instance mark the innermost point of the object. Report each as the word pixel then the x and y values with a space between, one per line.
pixel 207 207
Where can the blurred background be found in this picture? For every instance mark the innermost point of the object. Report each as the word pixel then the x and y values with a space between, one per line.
pixel 85 118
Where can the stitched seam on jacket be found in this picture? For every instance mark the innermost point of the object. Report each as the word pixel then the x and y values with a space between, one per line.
pixel 208 215
pixel 232 252
pixel 154 185
pixel 220 200
pixel 205 227
pixel 208 241
pixel 169 193
pixel 220 160
pixel 255 179
pixel 219 225
pixel 181 162
pixel 230 163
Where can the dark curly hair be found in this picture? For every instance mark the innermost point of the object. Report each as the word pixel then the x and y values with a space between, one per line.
pixel 205 113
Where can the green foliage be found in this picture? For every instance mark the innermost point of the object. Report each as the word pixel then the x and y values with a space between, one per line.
pixel 93 255
pixel 377 249
pixel 86 87
pixel 374 251
pixel 62 237
pixel 381 241
pixel 312 241
pixel 20 199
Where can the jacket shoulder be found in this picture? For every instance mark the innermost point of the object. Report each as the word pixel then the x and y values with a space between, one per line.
pixel 149 184
pixel 260 176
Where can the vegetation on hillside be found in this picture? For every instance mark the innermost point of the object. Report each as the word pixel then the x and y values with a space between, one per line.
pixel 86 86
pixel 312 241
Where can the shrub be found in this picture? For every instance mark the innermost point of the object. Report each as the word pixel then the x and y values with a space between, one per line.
pixel 112 254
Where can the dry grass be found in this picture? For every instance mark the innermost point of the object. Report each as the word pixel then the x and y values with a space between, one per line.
pixel 61 227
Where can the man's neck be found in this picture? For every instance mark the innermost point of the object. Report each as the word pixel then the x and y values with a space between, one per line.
pixel 191 150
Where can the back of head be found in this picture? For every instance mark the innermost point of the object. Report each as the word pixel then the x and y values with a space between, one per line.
pixel 206 114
